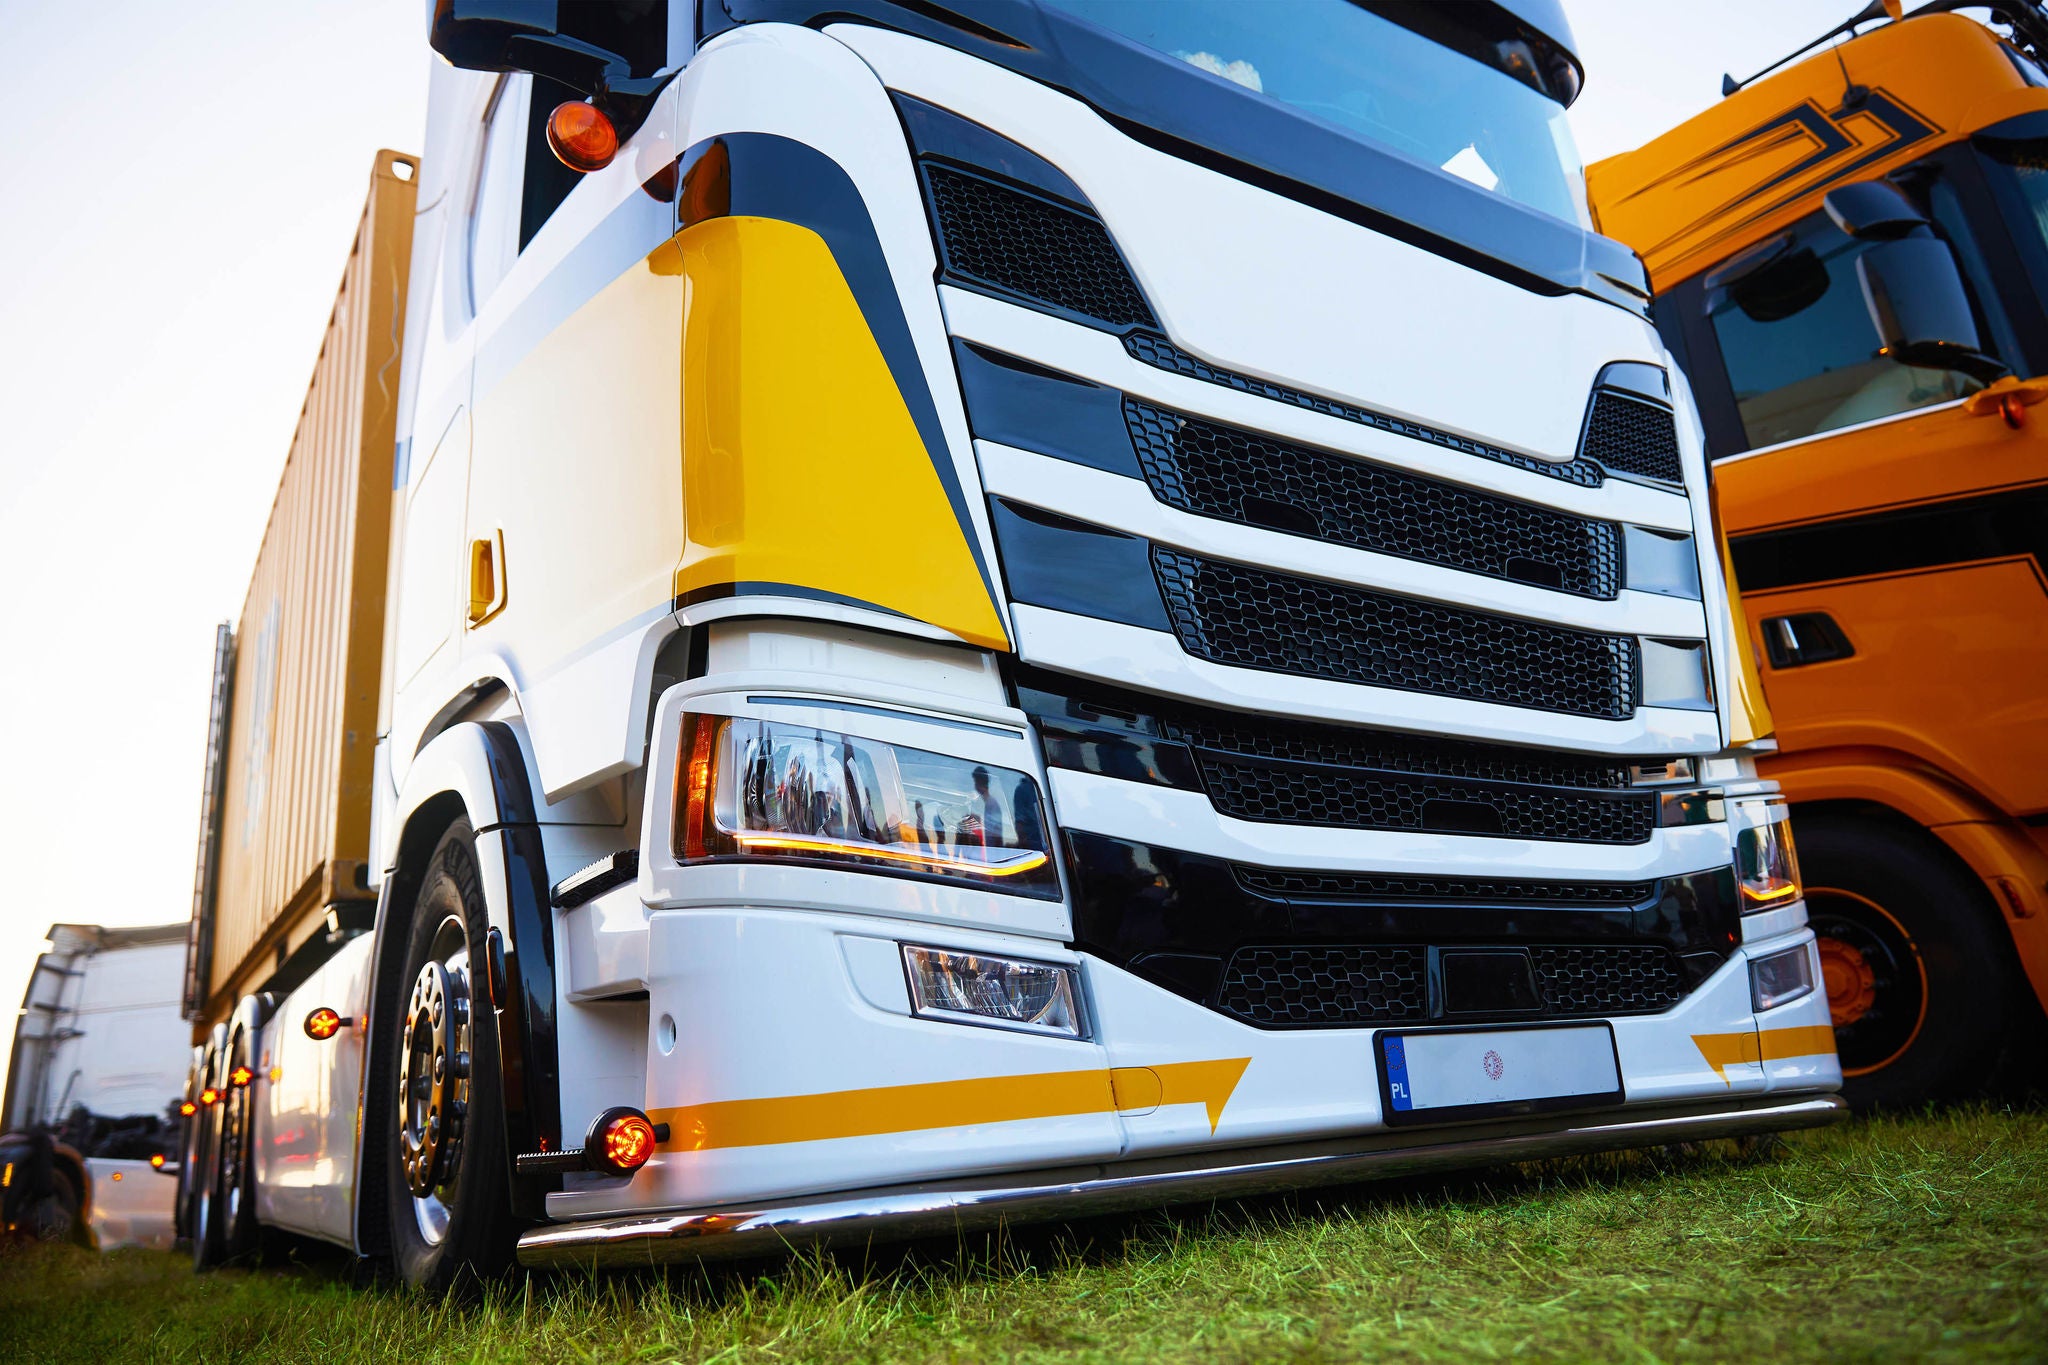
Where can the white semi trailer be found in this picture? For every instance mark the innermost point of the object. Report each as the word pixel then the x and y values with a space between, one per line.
pixel 994 610
pixel 90 1123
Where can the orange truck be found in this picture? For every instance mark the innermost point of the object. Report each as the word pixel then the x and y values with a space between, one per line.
pixel 1850 259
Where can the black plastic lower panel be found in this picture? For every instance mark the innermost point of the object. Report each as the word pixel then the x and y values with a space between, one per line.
pixel 1195 925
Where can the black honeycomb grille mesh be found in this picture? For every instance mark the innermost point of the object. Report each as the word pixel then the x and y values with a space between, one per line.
pixel 1386 886
pixel 1633 438
pixel 1348 798
pixel 1311 986
pixel 1343 985
pixel 1233 475
pixel 1251 618
pixel 1343 746
pixel 993 235
pixel 1158 351
pixel 1619 978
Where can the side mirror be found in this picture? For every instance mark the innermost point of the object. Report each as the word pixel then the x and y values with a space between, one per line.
pixel 1917 304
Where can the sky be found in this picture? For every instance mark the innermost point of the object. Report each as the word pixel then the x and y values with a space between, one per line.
pixel 176 206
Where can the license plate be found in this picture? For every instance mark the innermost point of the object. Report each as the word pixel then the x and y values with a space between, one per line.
pixel 1444 1074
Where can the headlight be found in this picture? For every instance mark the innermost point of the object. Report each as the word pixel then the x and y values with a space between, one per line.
pixel 1765 862
pixel 767 790
pixel 1032 997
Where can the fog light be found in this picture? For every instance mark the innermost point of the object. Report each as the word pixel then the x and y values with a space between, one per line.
pixel 1001 992
pixel 1780 978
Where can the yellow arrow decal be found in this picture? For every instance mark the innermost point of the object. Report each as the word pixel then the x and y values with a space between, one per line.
pixel 1723 1050
pixel 948 1104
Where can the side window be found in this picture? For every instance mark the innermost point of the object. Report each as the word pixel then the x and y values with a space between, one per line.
pixel 1801 354
pixel 495 219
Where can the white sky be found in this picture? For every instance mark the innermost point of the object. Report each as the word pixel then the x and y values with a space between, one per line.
pixel 176 204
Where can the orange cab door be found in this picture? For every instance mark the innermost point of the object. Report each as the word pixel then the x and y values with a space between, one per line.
pixel 1894 581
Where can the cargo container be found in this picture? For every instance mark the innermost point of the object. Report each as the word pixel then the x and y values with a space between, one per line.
pixel 996 617
pixel 285 829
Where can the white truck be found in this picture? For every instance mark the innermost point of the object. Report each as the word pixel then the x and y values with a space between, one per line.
pixel 994 610
pixel 89 1127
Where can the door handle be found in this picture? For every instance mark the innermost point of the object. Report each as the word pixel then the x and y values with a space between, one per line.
pixel 486 578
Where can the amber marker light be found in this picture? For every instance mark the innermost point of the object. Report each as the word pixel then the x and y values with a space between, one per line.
pixel 323 1024
pixel 240 1077
pixel 582 137
pixel 621 1141
pixel 188 1109
pixel 156 1160
pixel 209 1096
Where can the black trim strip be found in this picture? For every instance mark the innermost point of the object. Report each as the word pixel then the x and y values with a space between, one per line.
pixel 1937 535
pixel 1055 562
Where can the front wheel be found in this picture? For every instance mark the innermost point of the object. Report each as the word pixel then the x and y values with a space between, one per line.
pixel 1914 959
pixel 450 1210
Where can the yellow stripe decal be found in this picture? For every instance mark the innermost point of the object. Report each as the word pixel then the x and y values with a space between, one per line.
pixel 947 1104
pixel 1723 1050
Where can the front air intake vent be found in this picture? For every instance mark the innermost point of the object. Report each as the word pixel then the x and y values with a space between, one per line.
pixel 1384 887
pixel 1158 351
pixel 1252 618
pixel 998 237
pixel 1233 475
pixel 1307 987
pixel 1631 437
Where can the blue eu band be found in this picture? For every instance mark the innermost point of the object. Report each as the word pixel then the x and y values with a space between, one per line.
pixel 1397 1074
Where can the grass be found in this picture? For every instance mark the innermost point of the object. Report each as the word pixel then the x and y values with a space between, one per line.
pixel 1922 1237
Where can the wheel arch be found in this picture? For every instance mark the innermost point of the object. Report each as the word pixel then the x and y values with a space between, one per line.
pixel 474 771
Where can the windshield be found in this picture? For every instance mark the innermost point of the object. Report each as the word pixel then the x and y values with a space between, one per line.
pixel 1373 78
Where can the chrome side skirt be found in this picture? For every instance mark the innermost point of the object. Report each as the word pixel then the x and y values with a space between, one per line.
pixel 906 1211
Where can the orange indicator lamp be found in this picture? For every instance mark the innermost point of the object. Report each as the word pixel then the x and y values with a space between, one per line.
pixel 582 136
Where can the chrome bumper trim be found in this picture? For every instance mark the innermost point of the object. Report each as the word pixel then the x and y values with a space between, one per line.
pixel 906 1211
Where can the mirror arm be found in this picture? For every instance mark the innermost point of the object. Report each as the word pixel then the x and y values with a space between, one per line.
pixel 599 73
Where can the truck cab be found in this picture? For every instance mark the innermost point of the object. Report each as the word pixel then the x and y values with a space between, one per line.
pixel 1884 496
pixel 1005 609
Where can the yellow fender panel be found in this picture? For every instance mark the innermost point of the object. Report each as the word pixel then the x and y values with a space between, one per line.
pixel 803 472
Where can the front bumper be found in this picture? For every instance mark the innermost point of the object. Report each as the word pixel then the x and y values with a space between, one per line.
pixel 906 1211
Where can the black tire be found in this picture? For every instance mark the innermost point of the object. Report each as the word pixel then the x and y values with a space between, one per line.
pixel 446 1128
pixel 1918 967
pixel 57 1216
pixel 207 1239
pixel 234 1167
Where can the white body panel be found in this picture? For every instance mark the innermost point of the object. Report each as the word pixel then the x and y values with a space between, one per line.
pixel 306 1112
pixel 131 1204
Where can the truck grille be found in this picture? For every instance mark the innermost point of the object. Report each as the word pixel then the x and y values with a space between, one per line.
pixel 1306 987
pixel 1158 351
pixel 1353 798
pixel 1633 437
pixel 1387 886
pixel 1342 746
pixel 1338 985
pixel 1252 618
pixel 1233 475
pixel 1006 239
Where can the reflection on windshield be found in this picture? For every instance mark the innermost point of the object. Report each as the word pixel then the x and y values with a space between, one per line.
pixel 1373 79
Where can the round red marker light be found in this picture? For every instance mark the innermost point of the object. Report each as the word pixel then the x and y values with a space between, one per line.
pixel 627 1142
pixel 582 136
pixel 322 1024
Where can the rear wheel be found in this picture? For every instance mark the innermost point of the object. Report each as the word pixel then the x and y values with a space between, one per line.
pixel 450 1209
pixel 206 1222
pixel 235 1192
pixel 1916 964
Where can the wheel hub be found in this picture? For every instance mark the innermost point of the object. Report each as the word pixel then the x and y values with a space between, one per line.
pixel 433 1079
pixel 1850 981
